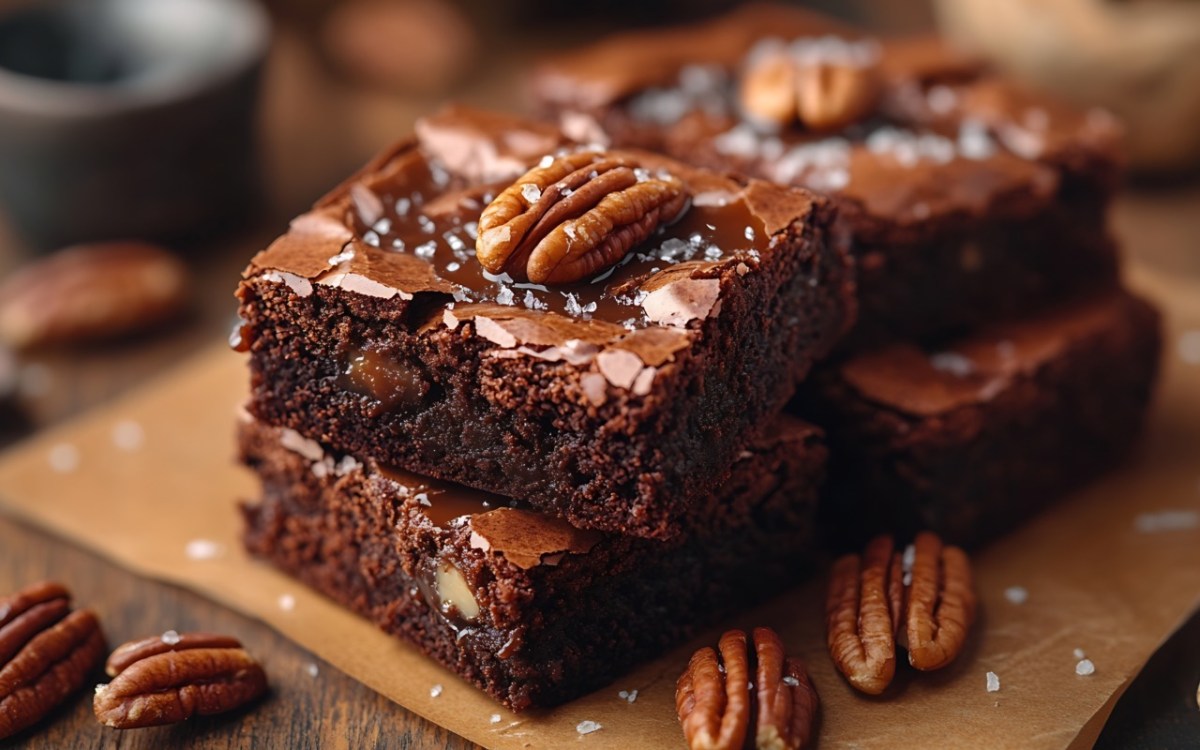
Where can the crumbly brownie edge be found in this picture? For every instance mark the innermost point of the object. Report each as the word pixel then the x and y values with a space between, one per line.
pixel 979 470
pixel 564 629
pixel 522 426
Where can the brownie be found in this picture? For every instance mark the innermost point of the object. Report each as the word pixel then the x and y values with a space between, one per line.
pixel 972 437
pixel 968 198
pixel 527 607
pixel 616 403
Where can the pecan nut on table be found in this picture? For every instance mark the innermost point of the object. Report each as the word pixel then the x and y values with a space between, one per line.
pixel 91 292
pixel 922 600
pixel 746 691
pixel 47 652
pixel 172 677
pixel 573 217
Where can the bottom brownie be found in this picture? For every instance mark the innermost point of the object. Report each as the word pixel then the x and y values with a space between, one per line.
pixel 525 606
pixel 971 438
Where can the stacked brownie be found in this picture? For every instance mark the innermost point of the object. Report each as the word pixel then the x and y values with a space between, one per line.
pixel 996 363
pixel 538 483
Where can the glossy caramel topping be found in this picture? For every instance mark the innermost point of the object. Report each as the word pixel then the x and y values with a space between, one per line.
pixel 424 211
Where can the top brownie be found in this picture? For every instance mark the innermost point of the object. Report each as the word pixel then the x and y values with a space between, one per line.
pixel 968 197
pixel 616 400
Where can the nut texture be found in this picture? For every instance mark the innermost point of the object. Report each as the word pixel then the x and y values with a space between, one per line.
pixel 715 706
pixel 781 89
pixel 862 615
pixel 574 217
pixel 941 603
pixel 871 608
pixel 91 292
pixel 47 653
pixel 161 681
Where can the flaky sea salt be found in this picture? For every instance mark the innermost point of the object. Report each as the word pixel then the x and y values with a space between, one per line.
pixel 1079 654
pixel 1167 520
pixel 587 727
pixel 531 193
pixel 1085 668
pixel 435 691
pixel 128 435
pixel 629 696
pixel 495 718
pixel 203 549
pixel 993 682
pixel 952 363
pixel 312 670
pixel 287 602
pixel 170 638
pixel 1016 594
pixel 63 458
pixel 1189 347
pixel 789 680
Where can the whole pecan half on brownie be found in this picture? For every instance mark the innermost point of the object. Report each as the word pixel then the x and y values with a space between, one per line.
pixel 574 216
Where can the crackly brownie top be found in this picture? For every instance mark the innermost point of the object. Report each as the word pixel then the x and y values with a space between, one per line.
pixel 408 225
pixel 525 538
pixel 975 369
pixel 909 128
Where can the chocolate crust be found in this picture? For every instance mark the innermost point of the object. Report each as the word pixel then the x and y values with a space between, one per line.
pixel 968 198
pixel 546 631
pixel 971 438
pixel 550 409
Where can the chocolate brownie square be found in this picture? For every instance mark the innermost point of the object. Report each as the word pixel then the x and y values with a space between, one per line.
pixel 616 402
pixel 971 437
pixel 969 199
pixel 527 607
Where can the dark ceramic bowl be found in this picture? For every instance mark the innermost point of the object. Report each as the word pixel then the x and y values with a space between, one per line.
pixel 128 118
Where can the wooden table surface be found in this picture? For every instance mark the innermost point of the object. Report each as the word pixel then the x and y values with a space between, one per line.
pixel 315 130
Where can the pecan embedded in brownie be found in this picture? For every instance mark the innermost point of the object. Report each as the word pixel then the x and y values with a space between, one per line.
pixel 616 401
pixel 527 607
pixel 973 436
pixel 969 198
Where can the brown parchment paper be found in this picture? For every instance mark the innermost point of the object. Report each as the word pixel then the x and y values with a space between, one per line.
pixel 1095 580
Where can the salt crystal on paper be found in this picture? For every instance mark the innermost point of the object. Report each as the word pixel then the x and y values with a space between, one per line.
pixel 64 458
pixel 1016 594
pixel 993 682
pixel 287 602
pixel 1167 520
pixel 170 637
pixel 629 696
pixel 435 691
pixel 1085 668
pixel 587 727
pixel 1079 653
pixel 495 718
pixel 1189 347
pixel 203 549
pixel 128 435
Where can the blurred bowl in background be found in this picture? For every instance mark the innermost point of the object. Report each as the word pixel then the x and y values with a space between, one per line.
pixel 1139 59
pixel 128 117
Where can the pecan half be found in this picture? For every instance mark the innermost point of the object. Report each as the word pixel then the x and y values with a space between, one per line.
pixel 90 293
pixel 574 217
pixel 862 615
pixel 941 603
pixel 714 701
pixel 46 653
pixel 781 89
pixel 875 604
pixel 172 677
